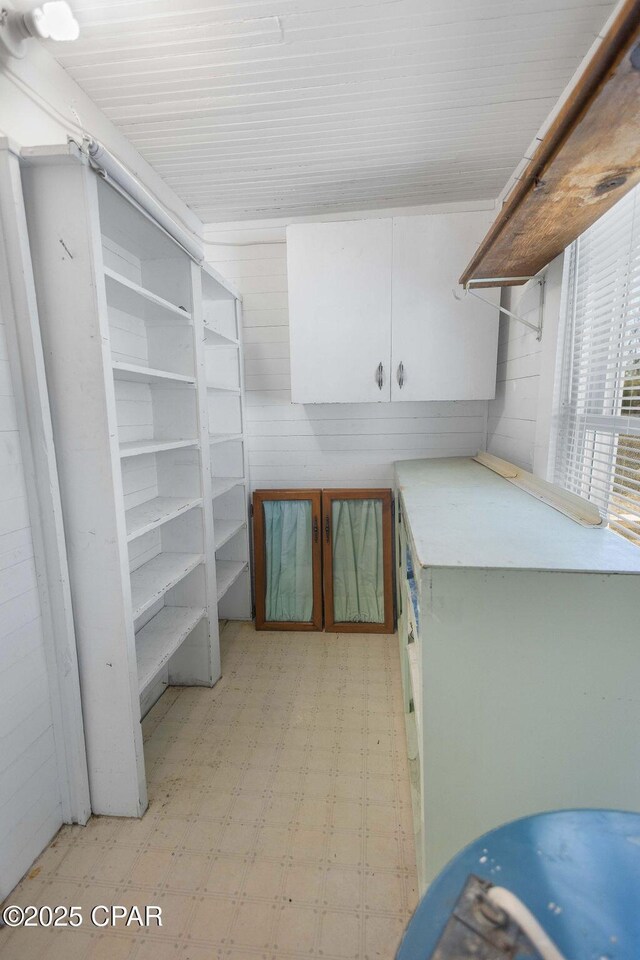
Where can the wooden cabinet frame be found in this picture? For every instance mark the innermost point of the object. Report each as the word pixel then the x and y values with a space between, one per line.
pixel 322 559
pixel 328 497
pixel 259 498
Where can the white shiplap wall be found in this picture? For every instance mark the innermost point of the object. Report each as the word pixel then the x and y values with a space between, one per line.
pixel 30 807
pixel 352 445
pixel 520 418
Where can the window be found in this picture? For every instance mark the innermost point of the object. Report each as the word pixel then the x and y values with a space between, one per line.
pixel 598 448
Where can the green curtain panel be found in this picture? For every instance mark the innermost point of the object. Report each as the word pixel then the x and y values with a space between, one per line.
pixel 358 581
pixel 289 560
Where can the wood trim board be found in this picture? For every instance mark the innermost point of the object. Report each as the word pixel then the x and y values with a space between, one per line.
pixel 587 160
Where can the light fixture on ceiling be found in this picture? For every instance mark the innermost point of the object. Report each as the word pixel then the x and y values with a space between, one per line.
pixel 51 21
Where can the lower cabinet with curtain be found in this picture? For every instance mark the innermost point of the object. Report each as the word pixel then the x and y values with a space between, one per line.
pixel 324 560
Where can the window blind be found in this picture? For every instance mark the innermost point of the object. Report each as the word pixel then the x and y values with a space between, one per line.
pixel 598 449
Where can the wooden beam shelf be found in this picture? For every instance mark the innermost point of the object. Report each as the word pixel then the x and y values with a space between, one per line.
pixel 588 159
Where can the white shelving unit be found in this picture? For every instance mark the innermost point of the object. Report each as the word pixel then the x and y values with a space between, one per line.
pixel 142 394
pixel 227 448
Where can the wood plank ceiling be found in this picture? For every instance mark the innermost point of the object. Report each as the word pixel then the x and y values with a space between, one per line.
pixel 269 108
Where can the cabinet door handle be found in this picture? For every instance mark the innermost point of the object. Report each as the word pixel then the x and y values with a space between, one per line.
pixel 380 375
pixel 327 529
pixel 315 530
pixel 401 374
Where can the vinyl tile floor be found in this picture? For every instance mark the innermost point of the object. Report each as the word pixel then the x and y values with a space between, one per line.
pixel 279 821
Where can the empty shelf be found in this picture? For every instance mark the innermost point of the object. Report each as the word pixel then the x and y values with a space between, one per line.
pixel 160 638
pixel 214 336
pixel 135 448
pixel 153 513
pixel 151 581
pixel 227 572
pixel 132 371
pixel 124 294
pixel 234 391
pixel 222 485
pixel 223 437
pixel 224 530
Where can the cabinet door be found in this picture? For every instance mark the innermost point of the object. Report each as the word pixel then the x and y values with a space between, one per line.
pixel 288 559
pixel 340 310
pixel 357 561
pixel 442 348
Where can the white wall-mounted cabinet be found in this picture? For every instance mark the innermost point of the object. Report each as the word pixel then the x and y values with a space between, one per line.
pixel 125 316
pixel 340 310
pixel 373 316
pixel 442 348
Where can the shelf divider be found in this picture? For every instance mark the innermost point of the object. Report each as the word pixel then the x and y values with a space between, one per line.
pixel 154 513
pixel 213 337
pixel 220 485
pixel 224 437
pixel 224 530
pixel 227 572
pixel 159 639
pixel 136 448
pixel 140 374
pixel 234 391
pixel 126 295
pixel 150 582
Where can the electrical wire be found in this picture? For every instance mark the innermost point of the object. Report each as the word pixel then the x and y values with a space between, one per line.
pixel 508 902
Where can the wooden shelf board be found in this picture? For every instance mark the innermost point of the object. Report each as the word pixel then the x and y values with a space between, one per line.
pixel 213 337
pixel 159 639
pixel 153 513
pixel 224 437
pixel 220 485
pixel 126 295
pixel 587 159
pixel 151 581
pixel 138 374
pixel 224 530
pixel 136 448
pixel 227 572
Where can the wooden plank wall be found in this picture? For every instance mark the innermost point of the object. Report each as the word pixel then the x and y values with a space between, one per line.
pixel 326 445
pixel 296 108
pixel 30 809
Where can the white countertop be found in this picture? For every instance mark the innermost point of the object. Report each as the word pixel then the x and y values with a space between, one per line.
pixel 461 514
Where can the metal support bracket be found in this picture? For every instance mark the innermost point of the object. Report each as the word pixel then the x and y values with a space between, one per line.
pixel 536 327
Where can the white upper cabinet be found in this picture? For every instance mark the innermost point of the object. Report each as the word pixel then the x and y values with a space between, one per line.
pixel 442 348
pixel 373 316
pixel 340 310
